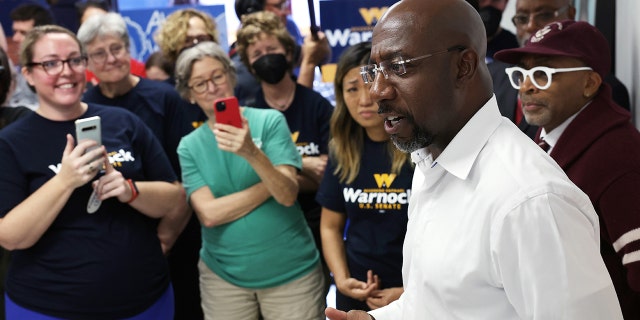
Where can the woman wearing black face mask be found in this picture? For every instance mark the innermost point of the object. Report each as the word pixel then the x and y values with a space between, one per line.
pixel 497 37
pixel 266 48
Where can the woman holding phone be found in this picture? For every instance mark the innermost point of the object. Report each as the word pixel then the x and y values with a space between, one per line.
pixel 267 50
pixel 82 225
pixel 106 40
pixel 257 255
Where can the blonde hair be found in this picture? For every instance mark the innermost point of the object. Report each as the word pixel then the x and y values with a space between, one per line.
pixel 26 47
pixel 173 33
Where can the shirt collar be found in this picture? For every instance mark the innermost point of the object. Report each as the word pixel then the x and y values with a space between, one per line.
pixel 552 137
pixel 458 157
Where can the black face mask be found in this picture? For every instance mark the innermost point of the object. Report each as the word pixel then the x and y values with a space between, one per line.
pixel 271 67
pixel 491 18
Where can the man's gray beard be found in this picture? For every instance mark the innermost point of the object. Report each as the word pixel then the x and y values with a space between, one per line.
pixel 419 140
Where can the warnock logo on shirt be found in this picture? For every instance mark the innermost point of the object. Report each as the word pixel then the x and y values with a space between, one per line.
pixel 116 158
pixel 196 124
pixel 382 198
pixel 305 148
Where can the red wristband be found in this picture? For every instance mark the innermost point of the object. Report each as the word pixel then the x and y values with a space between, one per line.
pixel 134 190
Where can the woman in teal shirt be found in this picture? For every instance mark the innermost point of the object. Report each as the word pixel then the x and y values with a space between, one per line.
pixel 258 256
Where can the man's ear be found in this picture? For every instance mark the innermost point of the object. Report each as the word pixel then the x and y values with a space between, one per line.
pixel 467 65
pixel 592 84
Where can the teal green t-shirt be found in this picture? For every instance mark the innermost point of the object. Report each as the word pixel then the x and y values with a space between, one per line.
pixel 270 246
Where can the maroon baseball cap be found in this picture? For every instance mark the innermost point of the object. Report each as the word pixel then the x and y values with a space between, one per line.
pixel 567 38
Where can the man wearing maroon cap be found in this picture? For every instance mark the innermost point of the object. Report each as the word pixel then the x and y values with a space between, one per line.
pixel 532 15
pixel 559 76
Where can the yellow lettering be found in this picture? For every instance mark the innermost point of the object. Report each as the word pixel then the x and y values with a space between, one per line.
pixel 196 124
pixel 371 15
pixel 388 206
pixel 384 179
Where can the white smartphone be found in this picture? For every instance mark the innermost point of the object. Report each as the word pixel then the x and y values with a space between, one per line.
pixel 89 129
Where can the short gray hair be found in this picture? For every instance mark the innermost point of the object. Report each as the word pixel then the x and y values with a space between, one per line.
pixel 188 57
pixel 100 25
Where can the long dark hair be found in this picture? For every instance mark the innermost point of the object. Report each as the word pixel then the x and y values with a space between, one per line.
pixel 347 136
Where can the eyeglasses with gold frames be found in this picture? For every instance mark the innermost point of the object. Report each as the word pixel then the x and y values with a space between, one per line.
pixel 100 56
pixel 217 78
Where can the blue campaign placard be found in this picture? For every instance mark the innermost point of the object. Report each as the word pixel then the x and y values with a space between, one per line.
pixel 346 23
pixel 143 23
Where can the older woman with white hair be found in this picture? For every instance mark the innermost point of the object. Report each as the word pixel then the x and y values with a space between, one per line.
pixel 106 40
pixel 258 256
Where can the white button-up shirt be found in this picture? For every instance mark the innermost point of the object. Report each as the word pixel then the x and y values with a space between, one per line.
pixel 497 231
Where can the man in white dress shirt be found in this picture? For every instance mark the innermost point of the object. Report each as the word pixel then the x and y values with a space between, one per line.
pixel 496 229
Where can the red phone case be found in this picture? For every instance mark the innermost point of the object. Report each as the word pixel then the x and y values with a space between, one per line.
pixel 227 111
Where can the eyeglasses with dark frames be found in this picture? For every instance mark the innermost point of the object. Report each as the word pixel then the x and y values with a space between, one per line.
pixel 217 78
pixel 397 65
pixel 540 18
pixel 101 56
pixel 55 67
pixel 541 77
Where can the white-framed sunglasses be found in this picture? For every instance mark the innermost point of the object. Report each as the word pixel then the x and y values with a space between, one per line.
pixel 541 77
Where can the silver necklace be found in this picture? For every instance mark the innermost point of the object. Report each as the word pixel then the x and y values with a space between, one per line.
pixel 281 106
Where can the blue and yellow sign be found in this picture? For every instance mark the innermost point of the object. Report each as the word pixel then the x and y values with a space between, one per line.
pixel 346 23
pixel 143 23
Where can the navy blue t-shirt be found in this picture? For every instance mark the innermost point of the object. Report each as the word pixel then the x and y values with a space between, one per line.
pixel 104 265
pixel 376 206
pixel 161 108
pixel 308 118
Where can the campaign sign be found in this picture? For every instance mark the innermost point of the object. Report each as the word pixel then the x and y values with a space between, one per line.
pixel 142 24
pixel 346 23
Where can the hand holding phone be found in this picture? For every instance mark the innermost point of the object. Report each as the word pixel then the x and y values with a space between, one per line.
pixel 89 129
pixel 227 111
